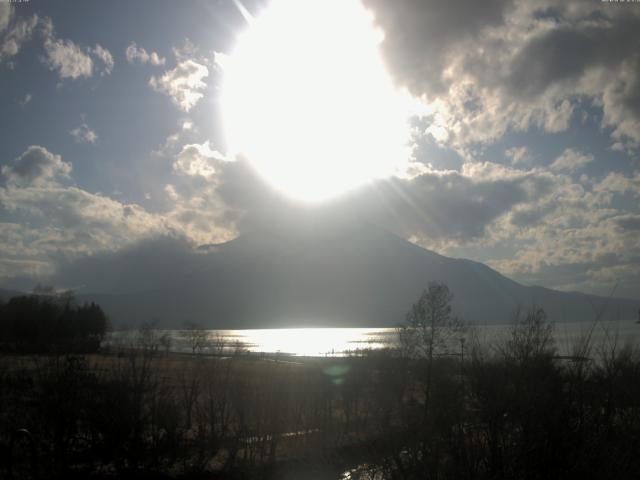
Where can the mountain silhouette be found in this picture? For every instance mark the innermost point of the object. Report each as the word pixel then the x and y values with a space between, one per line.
pixel 336 274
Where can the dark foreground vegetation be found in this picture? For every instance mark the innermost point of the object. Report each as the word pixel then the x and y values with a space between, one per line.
pixel 47 322
pixel 438 407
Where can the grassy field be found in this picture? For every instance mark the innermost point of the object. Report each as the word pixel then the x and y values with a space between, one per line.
pixel 135 411
pixel 517 410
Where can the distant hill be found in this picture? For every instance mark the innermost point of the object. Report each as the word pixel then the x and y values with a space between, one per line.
pixel 347 275
pixel 7 294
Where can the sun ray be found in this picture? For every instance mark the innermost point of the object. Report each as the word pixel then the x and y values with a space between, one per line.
pixel 246 14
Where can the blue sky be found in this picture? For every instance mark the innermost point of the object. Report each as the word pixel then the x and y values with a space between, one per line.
pixel 527 159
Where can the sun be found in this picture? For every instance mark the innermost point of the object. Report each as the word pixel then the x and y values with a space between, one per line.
pixel 307 100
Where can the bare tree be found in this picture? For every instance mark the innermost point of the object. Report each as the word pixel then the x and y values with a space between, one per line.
pixel 429 329
pixel 531 337
pixel 197 336
pixel 148 337
pixel 165 342
pixel 218 344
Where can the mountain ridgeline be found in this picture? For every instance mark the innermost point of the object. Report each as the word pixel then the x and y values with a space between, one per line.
pixel 352 276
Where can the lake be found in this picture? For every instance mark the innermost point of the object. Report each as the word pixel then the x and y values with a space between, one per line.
pixel 346 341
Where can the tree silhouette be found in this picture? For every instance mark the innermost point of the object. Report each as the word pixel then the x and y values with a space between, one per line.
pixel 429 330
pixel 429 325
pixel 51 321
pixel 197 336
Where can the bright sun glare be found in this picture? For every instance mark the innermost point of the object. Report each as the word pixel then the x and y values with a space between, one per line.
pixel 306 98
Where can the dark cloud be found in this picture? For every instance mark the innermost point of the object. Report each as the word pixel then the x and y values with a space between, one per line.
pixel 35 165
pixel 628 223
pixel 419 34
pixel 530 216
pixel 427 150
pixel 566 53
pixel 631 94
pixel 503 65
pixel 423 37
pixel 448 206
pixel 441 207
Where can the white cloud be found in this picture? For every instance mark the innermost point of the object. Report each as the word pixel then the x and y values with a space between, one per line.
pixel 105 57
pixel 69 221
pixel 186 52
pixel 195 159
pixel 72 223
pixel 551 227
pixel 59 222
pixel 68 59
pixel 84 134
pixel 10 267
pixel 25 100
pixel 616 182
pixel 138 54
pixel 170 190
pixel 500 66
pixel 519 155
pixel 183 84
pixel 16 35
pixel 571 230
pixel 619 99
pixel 6 11
pixel 557 117
pixel 36 166
pixel 72 60
pixel 187 132
pixel 574 248
pixel 570 161
pixel 101 218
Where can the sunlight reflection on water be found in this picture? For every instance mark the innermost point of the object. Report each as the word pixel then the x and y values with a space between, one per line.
pixel 346 341
pixel 312 341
